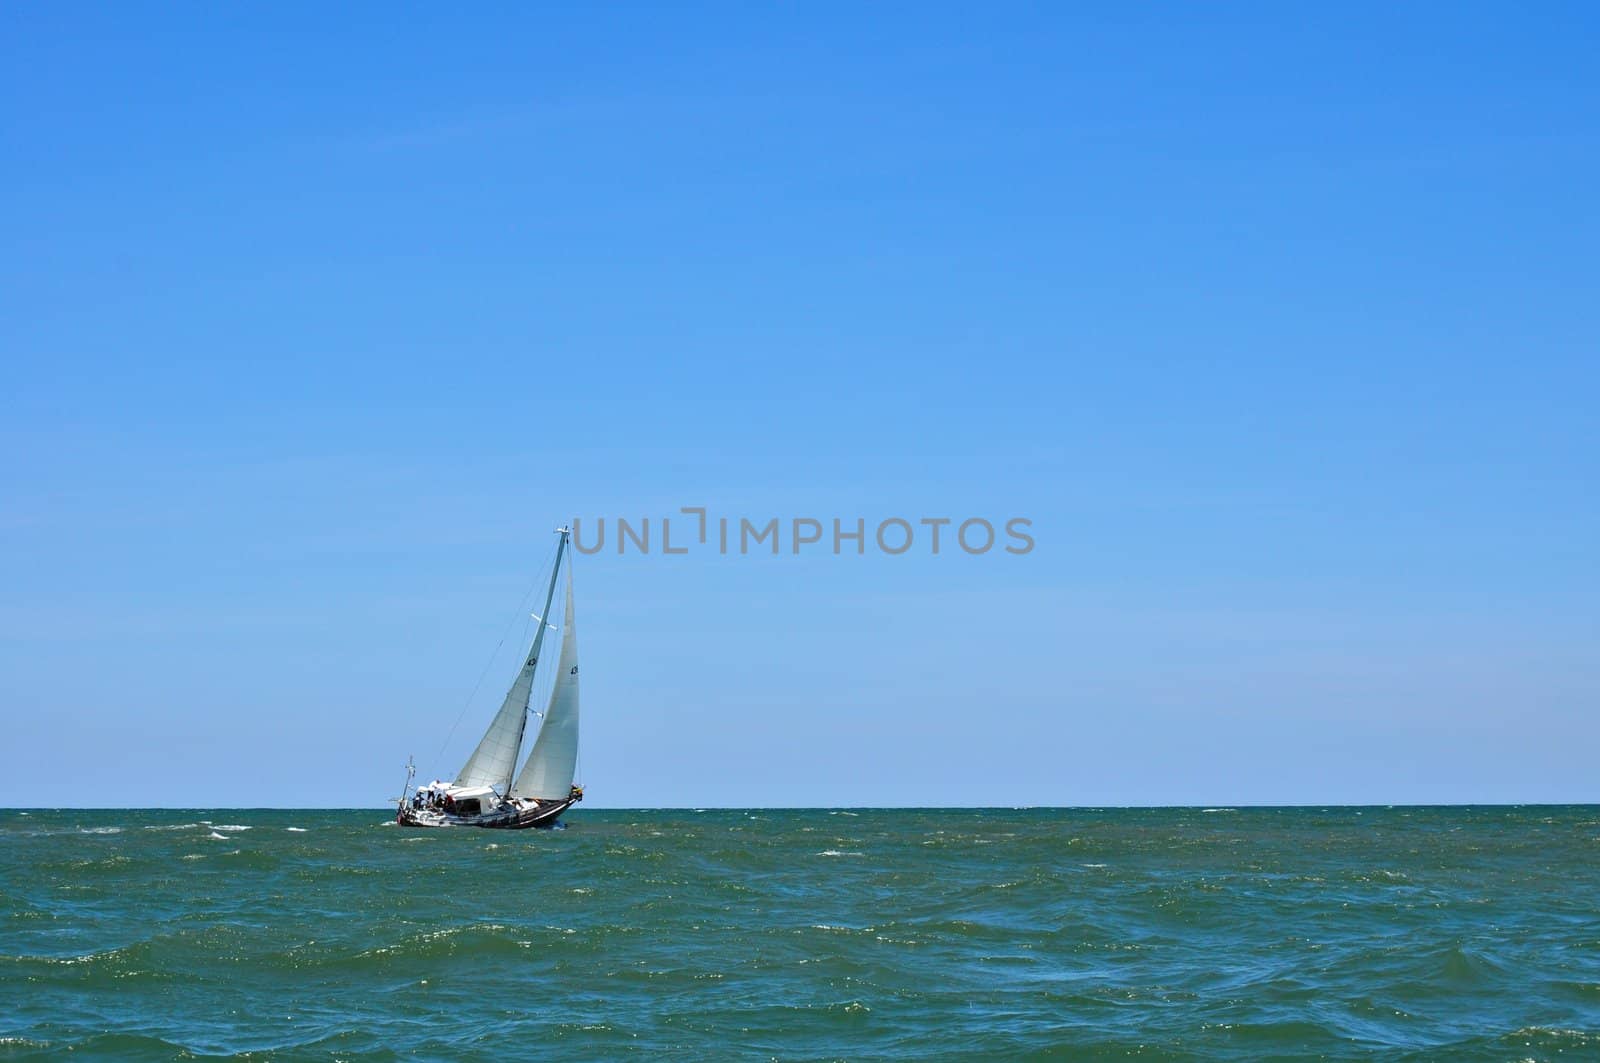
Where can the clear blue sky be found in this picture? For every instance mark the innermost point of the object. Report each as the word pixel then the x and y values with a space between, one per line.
pixel 1281 324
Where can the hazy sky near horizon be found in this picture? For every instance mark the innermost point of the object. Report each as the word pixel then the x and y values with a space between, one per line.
pixel 1280 325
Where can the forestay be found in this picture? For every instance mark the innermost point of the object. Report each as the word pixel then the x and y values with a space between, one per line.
pixel 492 763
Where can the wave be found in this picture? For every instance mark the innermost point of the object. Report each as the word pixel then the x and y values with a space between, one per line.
pixel 478 940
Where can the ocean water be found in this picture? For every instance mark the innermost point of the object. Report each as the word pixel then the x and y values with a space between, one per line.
pixel 1449 933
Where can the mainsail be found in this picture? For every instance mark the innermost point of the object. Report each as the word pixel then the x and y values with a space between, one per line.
pixel 492 762
pixel 550 767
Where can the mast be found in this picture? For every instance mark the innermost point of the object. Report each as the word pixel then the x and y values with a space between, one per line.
pixel 493 762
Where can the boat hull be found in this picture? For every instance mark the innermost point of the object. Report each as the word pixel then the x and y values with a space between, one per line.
pixel 541 817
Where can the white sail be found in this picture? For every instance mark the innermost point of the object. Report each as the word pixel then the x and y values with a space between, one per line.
pixel 492 762
pixel 554 760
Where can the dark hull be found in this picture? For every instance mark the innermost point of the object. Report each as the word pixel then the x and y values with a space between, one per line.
pixel 541 818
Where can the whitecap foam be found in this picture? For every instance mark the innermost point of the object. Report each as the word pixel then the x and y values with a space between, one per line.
pixel 839 852
pixel 230 826
pixel 295 830
pixel 172 826
pixel 100 830
pixel 219 837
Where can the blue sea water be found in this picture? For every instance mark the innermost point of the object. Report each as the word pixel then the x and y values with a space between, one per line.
pixel 1341 933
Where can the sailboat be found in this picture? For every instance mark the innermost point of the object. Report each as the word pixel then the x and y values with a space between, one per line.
pixel 489 791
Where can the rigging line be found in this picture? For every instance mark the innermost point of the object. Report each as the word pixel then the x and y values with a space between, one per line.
pixel 521 608
pixel 545 678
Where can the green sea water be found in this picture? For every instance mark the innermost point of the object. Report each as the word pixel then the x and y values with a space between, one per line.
pixel 1393 933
